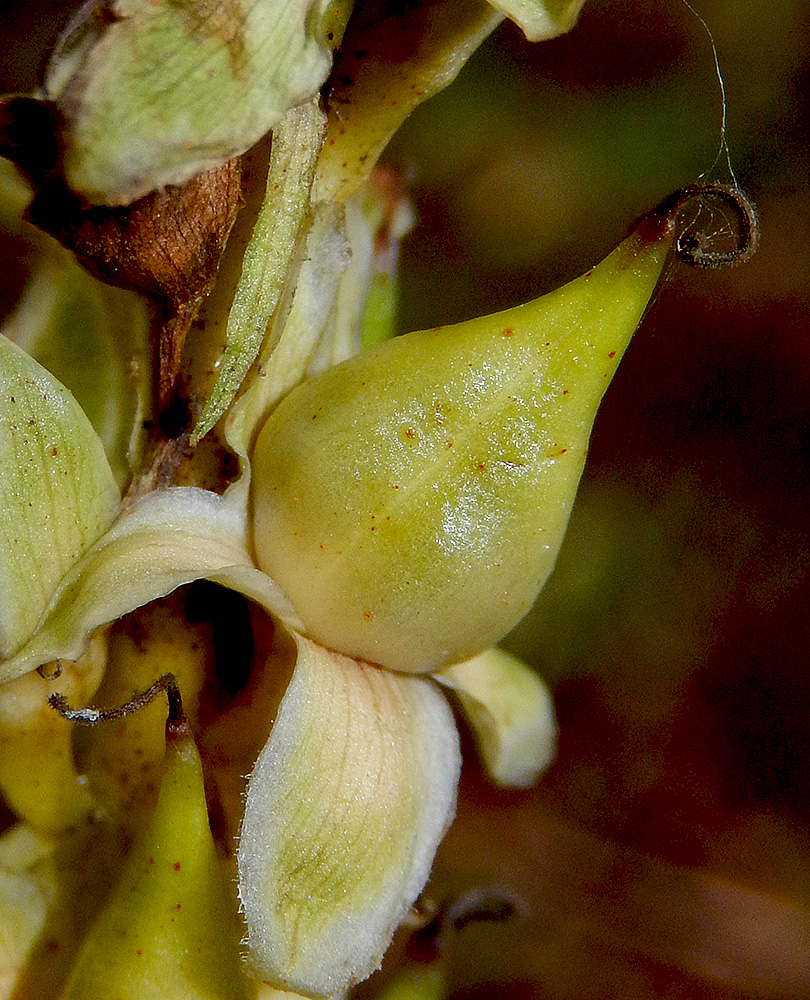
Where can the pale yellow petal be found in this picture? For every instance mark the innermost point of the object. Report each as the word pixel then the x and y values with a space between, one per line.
pixel 511 713
pixel 163 541
pixel 345 810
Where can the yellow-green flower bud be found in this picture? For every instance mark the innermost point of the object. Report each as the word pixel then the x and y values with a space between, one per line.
pixel 412 500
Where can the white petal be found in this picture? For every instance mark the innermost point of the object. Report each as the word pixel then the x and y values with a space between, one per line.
pixel 345 810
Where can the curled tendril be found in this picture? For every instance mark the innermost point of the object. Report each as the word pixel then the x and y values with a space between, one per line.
pixel 175 723
pixel 693 245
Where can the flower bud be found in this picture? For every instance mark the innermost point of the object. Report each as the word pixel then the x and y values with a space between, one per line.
pixel 412 500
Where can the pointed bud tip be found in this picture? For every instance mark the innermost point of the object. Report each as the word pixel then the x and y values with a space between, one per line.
pixel 699 244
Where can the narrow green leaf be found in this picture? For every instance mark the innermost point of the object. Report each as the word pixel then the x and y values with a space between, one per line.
pixel 155 93
pixel 267 259
pixel 57 492
pixel 295 332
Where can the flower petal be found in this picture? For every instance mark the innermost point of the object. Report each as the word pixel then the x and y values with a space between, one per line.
pixel 541 19
pixel 57 492
pixel 511 713
pixel 65 317
pixel 165 540
pixel 345 810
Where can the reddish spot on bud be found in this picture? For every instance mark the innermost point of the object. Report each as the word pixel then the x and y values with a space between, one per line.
pixel 565 392
pixel 177 866
pixel 54 452
pixel 612 354
pixel 507 332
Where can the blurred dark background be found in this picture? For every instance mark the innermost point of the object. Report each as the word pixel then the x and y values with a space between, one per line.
pixel 667 851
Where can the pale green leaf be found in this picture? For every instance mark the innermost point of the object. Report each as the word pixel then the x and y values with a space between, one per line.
pixel 94 339
pixel 163 541
pixel 57 493
pixel 541 19
pixel 155 93
pixel 268 256
pixel 511 714
pixel 345 810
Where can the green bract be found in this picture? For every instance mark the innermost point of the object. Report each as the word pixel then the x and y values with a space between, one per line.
pixel 168 929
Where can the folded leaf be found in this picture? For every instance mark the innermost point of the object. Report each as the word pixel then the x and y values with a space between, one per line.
pixel 57 492
pixel 385 69
pixel 344 812
pixel 154 93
